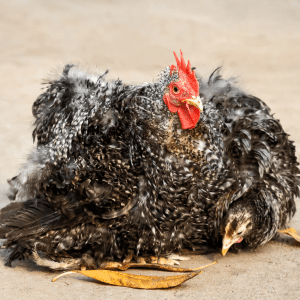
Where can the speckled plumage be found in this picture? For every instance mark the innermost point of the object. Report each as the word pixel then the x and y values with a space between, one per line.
pixel 113 171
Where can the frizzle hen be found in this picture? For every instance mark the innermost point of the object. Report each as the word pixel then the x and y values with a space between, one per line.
pixel 121 168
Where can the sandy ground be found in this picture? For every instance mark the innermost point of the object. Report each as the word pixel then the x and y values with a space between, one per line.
pixel 259 41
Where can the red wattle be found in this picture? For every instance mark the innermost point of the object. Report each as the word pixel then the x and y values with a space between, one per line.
pixel 188 115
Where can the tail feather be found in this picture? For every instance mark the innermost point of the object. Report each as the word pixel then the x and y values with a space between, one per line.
pixel 6 213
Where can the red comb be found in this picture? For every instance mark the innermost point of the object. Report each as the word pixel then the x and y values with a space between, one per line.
pixel 186 69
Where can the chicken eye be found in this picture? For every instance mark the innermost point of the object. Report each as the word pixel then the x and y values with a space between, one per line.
pixel 175 89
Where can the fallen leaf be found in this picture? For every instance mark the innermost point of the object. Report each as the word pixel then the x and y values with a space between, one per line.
pixel 134 281
pixel 292 232
pixel 126 266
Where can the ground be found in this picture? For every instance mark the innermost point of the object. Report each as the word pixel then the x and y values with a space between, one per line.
pixel 258 41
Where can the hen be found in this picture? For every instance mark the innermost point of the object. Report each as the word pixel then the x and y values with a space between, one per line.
pixel 121 168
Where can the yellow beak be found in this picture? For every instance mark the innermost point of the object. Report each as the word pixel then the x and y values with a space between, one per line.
pixel 224 251
pixel 195 101
pixel 226 244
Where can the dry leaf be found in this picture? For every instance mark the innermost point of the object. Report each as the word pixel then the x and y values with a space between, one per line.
pixel 292 232
pixel 126 266
pixel 134 281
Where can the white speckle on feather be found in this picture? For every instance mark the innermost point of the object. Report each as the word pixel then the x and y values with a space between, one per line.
pixel 201 145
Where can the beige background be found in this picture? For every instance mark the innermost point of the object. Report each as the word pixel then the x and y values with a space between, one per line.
pixel 259 41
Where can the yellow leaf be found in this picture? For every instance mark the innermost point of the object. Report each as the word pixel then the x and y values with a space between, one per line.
pixel 292 232
pixel 126 266
pixel 134 281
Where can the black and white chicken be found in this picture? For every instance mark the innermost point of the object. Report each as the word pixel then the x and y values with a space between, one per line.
pixel 149 169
